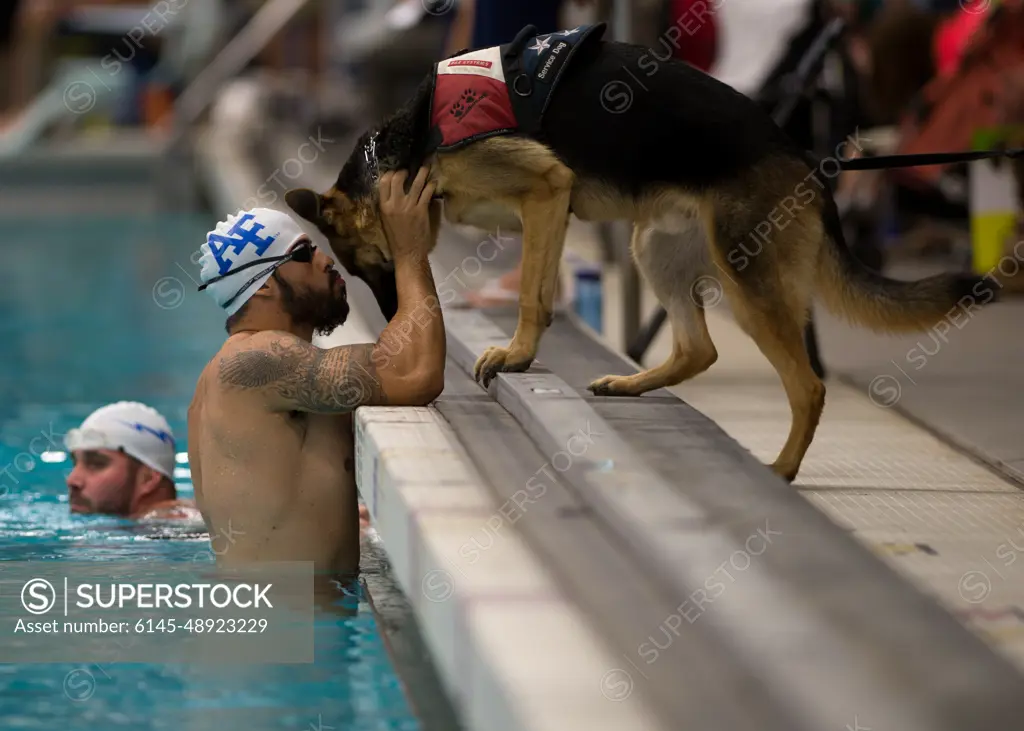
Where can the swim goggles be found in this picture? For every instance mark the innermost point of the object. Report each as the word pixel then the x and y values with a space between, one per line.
pixel 302 252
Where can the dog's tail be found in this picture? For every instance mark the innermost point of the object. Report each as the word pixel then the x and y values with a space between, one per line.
pixel 852 291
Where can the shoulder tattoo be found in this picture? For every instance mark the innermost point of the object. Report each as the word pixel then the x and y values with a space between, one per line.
pixel 336 380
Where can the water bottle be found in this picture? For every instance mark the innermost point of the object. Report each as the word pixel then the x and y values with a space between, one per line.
pixel 588 296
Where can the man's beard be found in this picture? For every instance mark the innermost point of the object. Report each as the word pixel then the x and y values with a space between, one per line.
pixel 323 311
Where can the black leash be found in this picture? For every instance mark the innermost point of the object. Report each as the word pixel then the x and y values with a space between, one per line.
pixel 929 158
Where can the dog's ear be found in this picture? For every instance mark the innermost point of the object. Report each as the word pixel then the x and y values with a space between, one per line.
pixel 304 202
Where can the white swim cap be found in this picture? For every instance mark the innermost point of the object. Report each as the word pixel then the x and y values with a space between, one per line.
pixel 139 430
pixel 249 243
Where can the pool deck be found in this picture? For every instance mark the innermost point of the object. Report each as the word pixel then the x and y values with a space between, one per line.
pixel 530 621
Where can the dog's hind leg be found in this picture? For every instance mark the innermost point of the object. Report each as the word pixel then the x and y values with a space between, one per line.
pixel 770 294
pixel 671 267
pixel 692 354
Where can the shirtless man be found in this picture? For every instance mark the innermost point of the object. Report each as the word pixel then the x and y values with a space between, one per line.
pixel 123 456
pixel 270 426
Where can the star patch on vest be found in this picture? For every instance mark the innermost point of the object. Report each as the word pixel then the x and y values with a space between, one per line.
pixel 502 89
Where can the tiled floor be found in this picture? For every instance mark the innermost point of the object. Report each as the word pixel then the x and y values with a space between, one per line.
pixel 963 379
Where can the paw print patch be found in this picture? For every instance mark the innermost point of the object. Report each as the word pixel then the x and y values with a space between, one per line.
pixel 465 103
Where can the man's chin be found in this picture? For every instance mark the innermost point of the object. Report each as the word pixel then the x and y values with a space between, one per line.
pixel 326 329
pixel 324 313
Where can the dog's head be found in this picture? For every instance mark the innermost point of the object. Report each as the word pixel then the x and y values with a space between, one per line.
pixel 354 232
pixel 348 216
pixel 348 213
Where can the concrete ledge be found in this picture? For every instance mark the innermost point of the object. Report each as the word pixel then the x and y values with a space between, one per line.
pixel 512 651
pixel 800 624
pixel 612 587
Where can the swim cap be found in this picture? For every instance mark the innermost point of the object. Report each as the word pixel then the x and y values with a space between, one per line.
pixel 238 244
pixel 138 430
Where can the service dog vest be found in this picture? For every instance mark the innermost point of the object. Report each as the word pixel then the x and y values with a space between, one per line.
pixel 503 89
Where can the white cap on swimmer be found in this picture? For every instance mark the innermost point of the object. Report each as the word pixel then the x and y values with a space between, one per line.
pixel 136 429
pixel 239 244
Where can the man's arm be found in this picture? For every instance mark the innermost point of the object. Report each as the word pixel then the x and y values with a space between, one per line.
pixel 411 350
pixel 413 343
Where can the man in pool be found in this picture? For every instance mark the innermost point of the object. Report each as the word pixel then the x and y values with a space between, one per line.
pixel 123 456
pixel 270 425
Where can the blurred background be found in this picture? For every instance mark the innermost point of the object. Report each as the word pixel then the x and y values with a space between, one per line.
pixel 928 74
pixel 117 77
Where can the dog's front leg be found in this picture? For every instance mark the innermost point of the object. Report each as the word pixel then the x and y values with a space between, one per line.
pixel 545 215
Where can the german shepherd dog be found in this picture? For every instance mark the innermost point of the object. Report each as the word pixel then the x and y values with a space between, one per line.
pixel 690 156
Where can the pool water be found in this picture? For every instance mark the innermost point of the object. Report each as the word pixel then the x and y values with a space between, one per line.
pixel 102 309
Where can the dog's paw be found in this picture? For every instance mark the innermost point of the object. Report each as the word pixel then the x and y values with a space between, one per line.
pixel 497 360
pixel 786 472
pixel 612 386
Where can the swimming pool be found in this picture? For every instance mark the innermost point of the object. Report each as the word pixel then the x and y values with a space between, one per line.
pixel 99 309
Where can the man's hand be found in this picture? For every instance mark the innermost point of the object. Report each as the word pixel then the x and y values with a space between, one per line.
pixel 406 216
pixel 413 342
